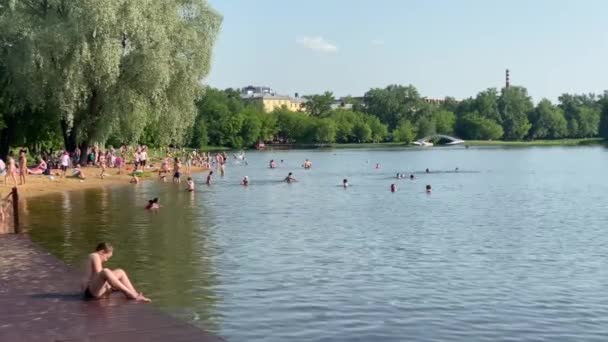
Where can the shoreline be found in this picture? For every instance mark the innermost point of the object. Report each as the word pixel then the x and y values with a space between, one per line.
pixel 473 143
pixel 40 185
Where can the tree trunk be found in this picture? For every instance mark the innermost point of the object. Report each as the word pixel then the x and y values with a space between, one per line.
pixel 69 135
pixel 84 146
pixel 7 135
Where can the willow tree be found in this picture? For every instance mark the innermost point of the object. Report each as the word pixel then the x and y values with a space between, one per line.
pixel 118 66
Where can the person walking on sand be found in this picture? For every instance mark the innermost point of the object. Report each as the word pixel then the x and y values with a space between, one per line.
pixel 118 163
pixel 22 167
pixel 99 281
pixel 102 164
pixel 143 156
pixel 65 162
pixel 12 169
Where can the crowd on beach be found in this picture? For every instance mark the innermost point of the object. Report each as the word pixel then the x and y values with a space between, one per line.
pixel 133 159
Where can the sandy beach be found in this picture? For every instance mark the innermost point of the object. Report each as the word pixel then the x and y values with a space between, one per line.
pixel 38 185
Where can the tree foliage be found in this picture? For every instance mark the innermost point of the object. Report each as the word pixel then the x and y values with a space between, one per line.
pixel 101 68
pixel 318 105
pixel 404 132
pixel 514 105
pixel 548 122
pixel 393 104
pixel 477 127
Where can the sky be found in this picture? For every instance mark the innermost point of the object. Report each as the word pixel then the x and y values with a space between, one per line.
pixel 442 47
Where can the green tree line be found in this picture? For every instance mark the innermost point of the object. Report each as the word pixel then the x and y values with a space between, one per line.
pixel 399 114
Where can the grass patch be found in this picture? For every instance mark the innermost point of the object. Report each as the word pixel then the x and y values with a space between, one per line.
pixel 557 142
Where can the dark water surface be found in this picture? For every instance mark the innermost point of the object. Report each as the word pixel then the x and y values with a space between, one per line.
pixel 515 251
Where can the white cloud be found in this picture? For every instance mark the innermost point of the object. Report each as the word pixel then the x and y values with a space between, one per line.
pixel 377 42
pixel 317 44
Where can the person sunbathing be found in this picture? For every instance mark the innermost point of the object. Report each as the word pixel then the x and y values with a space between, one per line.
pixel 77 172
pixel 99 281
pixel 39 169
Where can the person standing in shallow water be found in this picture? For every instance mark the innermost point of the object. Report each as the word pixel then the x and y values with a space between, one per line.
pixel 190 184
pixel 222 168
pixel 345 183
pixel 177 167
pixel 99 281
pixel 209 176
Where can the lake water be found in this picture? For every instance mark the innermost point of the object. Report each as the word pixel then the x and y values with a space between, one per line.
pixel 515 250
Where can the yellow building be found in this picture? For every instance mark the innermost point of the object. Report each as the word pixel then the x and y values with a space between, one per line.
pixel 271 101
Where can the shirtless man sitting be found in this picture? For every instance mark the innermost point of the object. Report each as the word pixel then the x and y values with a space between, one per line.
pixel 99 281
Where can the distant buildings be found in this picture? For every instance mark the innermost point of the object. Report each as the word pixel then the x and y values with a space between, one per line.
pixel 343 103
pixel 433 101
pixel 270 101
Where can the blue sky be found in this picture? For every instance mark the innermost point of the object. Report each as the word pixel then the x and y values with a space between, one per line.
pixel 442 47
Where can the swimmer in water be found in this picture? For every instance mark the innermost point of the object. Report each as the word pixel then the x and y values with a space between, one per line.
pixel 428 171
pixel 345 183
pixel 428 188
pixel 153 204
pixel 398 175
pixel 245 181
pixel 209 176
pixel 393 187
pixel 412 177
pixel 190 184
pixel 307 164
pixel 456 170
pixel 290 178
pixel 273 164
pixel 378 166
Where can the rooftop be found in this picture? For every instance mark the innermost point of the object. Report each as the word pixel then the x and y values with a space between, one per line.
pixel 267 96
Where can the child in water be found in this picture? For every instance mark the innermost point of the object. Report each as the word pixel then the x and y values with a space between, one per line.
pixel 345 183
pixel 209 178
pixel 245 181
pixel 190 184
pixel 428 188
pixel 393 187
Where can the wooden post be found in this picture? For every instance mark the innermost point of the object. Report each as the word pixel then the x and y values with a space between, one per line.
pixel 15 193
